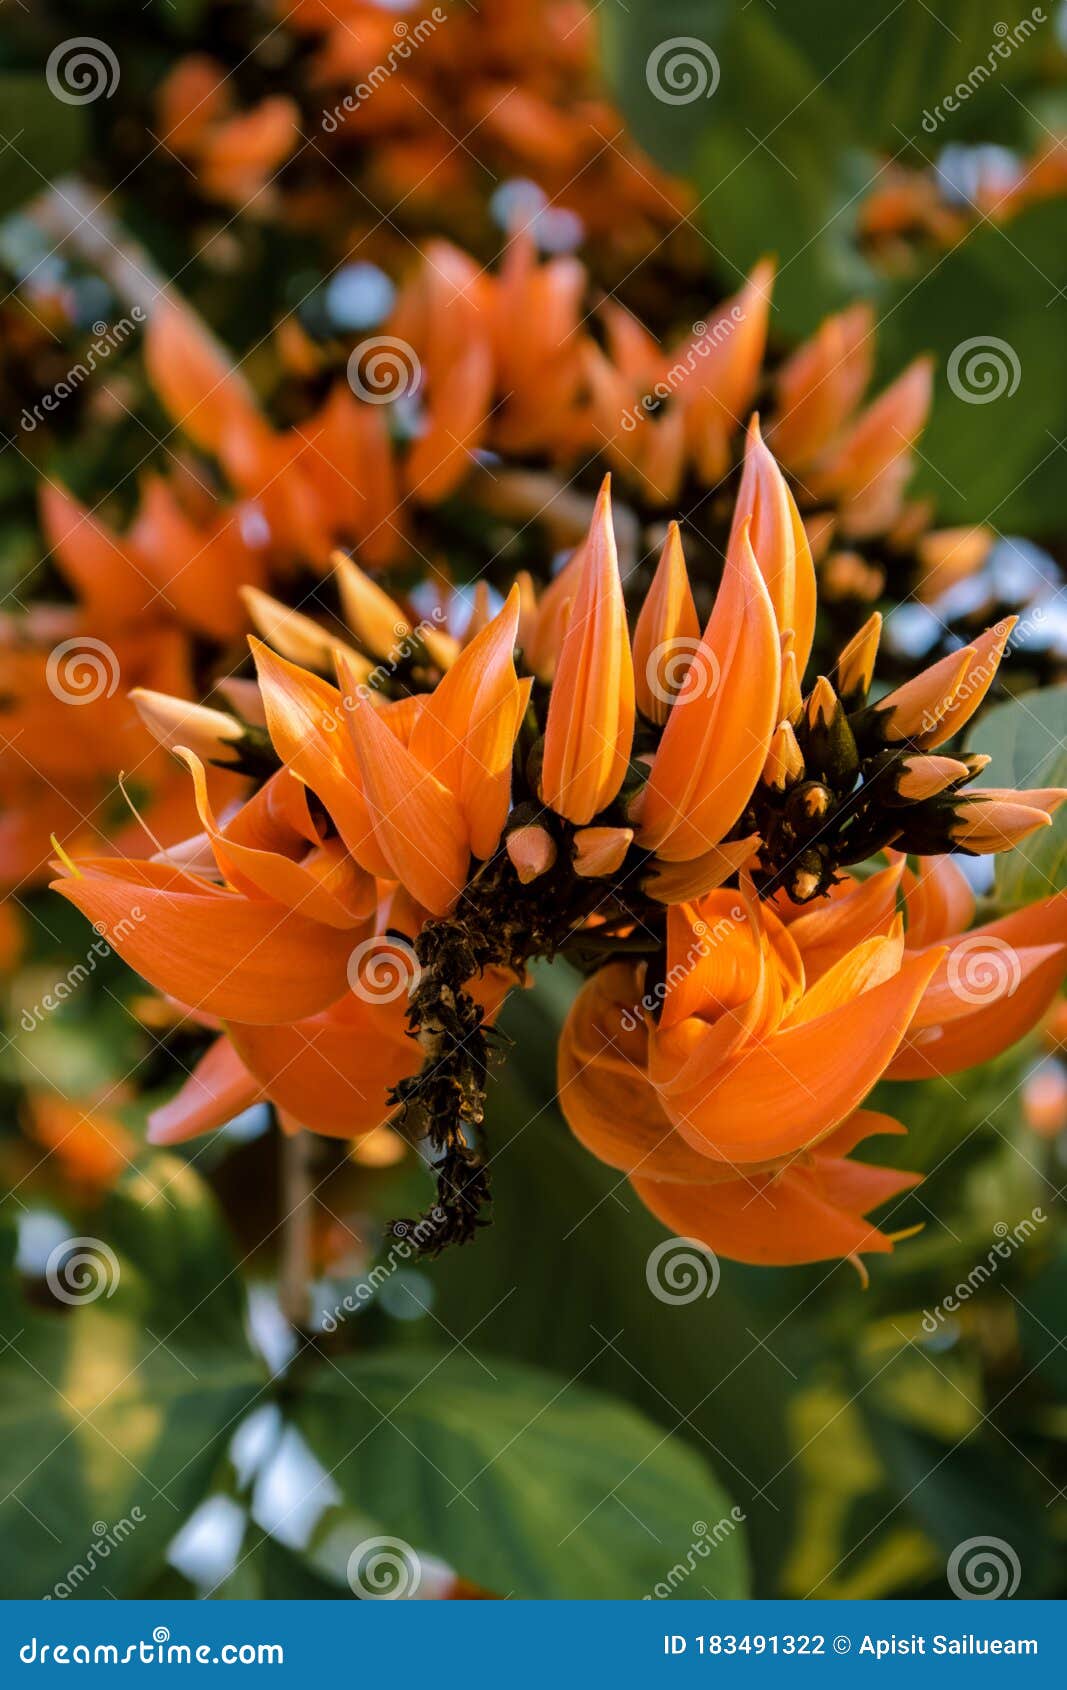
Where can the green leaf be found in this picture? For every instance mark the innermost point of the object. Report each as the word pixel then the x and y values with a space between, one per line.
pixel 525 1484
pixel 115 1411
pixel 267 1570
pixel 698 1368
pixel 1042 1313
pixel 779 115
pixel 765 143
pixel 164 1220
pixel 990 451
pixel 968 1489
pixel 40 137
pixel 888 64
pixel 1027 739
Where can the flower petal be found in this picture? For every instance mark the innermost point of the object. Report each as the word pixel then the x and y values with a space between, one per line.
pixel 717 735
pixel 214 951
pixel 219 1087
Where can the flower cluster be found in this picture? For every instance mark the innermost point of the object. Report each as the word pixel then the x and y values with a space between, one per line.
pixel 659 801
pixel 501 362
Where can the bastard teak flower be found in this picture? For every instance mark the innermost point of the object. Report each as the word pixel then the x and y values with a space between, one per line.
pixel 750 863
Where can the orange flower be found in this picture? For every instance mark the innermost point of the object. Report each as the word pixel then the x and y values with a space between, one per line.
pixel 994 983
pixel 719 729
pixel 730 1093
pixel 657 409
pixel 233 154
pixel 89 1143
pixel 751 1058
pixel 805 1205
pixel 591 713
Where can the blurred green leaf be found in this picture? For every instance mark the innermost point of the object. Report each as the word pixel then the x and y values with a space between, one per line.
pixel 1042 1311
pixel 525 1484
pixel 165 1223
pixel 981 1487
pixel 700 1368
pixel 778 116
pixel 1027 741
pixel 268 1571
pixel 991 450
pixel 115 1408
pixel 722 94
pixel 40 137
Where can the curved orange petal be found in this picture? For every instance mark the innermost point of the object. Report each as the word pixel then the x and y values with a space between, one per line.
pixel 332 1072
pixel 196 379
pixel 779 542
pixel 100 568
pixel 467 728
pixel 332 889
pixel 717 735
pixel 667 632
pixel 418 824
pixel 937 901
pixel 604 1090
pixel 214 951
pixel 218 1088
pixel 786 1092
pixel 305 720
pixel 828 928
pixel 803 1214
pixel 992 987
pixel 590 724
